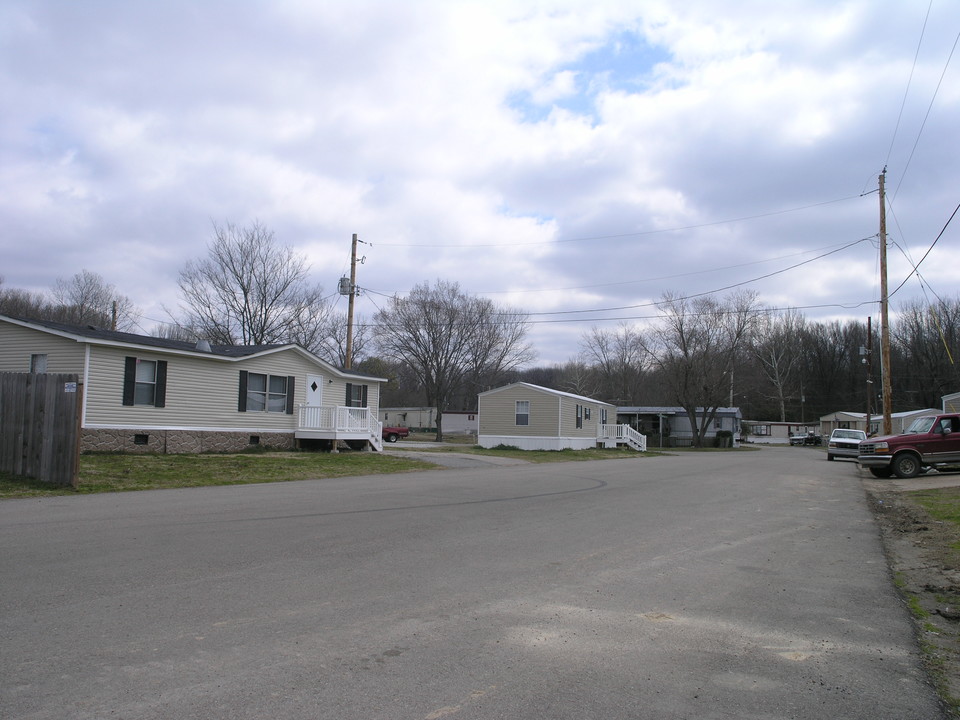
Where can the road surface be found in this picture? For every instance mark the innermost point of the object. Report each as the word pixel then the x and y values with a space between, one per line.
pixel 719 585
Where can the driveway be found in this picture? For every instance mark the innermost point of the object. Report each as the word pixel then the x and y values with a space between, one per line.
pixel 741 585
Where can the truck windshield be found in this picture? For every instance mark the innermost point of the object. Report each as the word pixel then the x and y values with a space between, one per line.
pixel 921 425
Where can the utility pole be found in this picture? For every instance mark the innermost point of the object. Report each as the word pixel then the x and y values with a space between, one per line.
pixel 884 317
pixel 348 358
pixel 868 361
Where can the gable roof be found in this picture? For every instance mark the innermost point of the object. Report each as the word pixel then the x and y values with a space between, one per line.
pixel 100 336
pixel 878 416
pixel 551 391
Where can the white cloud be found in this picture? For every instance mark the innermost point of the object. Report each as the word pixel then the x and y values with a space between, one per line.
pixel 559 156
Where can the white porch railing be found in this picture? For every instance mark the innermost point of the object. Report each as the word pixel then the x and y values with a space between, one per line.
pixel 623 434
pixel 338 419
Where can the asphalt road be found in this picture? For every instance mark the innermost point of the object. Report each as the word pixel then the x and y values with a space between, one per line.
pixel 740 585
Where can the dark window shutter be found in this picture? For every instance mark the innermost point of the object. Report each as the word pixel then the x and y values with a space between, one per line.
pixel 129 379
pixel 161 389
pixel 364 404
pixel 349 402
pixel 291 384
pixel 242 397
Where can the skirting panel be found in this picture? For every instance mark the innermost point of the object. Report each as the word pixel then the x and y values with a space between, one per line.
pixel 179 442
pixel 538 443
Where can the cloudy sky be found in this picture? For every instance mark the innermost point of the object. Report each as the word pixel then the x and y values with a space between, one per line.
pixel 574 159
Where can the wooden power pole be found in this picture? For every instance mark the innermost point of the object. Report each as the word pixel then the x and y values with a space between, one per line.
pixel 348 356
pixel 884 317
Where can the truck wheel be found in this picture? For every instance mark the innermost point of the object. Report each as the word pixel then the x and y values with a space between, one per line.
pixel 829 457
pixel 881 472
pixel 392 437
pixel 906 465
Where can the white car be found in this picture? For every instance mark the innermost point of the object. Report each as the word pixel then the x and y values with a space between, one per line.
pixel 845 443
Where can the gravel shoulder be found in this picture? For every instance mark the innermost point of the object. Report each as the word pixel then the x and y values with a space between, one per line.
pixel 923 557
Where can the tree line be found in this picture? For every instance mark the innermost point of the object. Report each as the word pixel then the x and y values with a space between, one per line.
pixel 441 347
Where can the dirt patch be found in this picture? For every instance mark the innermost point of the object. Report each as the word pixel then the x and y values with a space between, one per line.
pixel 922 555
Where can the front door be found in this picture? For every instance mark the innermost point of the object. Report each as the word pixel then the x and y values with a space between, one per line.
pixel 315 385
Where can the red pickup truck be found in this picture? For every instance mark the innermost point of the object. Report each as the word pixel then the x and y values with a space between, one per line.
pixel 392 434
pixel 930 441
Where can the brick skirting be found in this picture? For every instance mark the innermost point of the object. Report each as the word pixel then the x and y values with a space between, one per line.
pixel 179 442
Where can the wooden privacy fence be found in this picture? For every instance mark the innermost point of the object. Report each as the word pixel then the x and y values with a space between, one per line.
pixel 40 426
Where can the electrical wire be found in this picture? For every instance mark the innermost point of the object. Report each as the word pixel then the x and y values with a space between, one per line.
pixel 618 236
pixel 929 249
pixel 926 116
pixel 906 91
pixel 694 295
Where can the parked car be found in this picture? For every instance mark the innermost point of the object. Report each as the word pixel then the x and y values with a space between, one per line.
pixel 845 443
pixel 392 434
pixel 931 441
pixel 811 438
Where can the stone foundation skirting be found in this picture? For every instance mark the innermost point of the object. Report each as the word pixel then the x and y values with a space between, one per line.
pixel 180 442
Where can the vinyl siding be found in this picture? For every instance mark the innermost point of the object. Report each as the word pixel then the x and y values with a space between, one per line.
pixel 202 391
pixel 551 415
pixel 498 413
pixel 568 425
pixel 17 344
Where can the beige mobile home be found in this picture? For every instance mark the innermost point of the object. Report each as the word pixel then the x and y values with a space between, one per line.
pixel 858 421
pixel 150 394
pixel 537 418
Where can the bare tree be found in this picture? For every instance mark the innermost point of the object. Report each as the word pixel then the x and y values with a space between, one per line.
pixel 22 303
pixel 332 346
pixel 695 346
pixel 927 337
pixel 619 359
pixel 578 378
pixel 447 337
pixel 87 299
pixel 251 291
pixel 778 350
pixel 499 347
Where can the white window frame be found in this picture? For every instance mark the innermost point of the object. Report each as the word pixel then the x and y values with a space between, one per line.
pixel 38 363
pixel 525 415
pixel 268 397
pixel 145 383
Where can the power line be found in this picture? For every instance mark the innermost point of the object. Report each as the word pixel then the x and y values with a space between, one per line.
pixel 657 316
pixel 687 297
pixel 906 91
pixel 833 248
pixel 932 245
pixel 716 290
pixel 618 236
pixel 926 116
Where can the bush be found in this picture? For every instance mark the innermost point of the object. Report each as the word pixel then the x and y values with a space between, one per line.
pixel 724 439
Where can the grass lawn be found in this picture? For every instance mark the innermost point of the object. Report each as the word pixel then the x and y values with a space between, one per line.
pixel 943 505
pixel 533 456
pixel 115 473
pixel 119 472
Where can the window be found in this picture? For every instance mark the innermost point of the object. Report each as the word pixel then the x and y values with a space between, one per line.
pixel 579 416
pixel 523 412
pixel 144 382
pixel 38 363
pixel 356 395
pixel 260 392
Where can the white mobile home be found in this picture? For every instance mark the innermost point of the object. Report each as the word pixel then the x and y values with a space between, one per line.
pixel 150 394
pixel 532 417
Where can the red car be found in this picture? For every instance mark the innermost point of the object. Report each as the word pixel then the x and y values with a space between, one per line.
pixel 392 434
